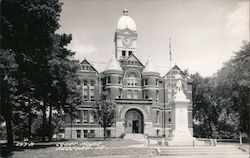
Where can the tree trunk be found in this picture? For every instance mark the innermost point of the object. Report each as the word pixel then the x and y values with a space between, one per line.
pixel 9 131
pixel 104 133
pixel 30 123
pixel 71 124
pixel 50 133
pixel 44 122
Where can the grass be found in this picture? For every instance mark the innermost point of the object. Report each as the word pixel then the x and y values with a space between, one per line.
pixel 113 147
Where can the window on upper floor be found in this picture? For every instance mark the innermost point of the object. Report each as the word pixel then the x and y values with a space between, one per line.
pixel 123 53
pixel 145 94
pixel 91 118
pixel 135 95
pixel 92 96
pixel 85 116
pixel 132 79
pixel 85 94
pixel 92 83
pixel 85 82
pixel 120 94
pixel 157 117
pixel 108 80
pixel 129 94
pixel 156 82
pixel 145 81
pixel 120 80
pixel 157 96
pixel 129 52
pixel 84 67
pixel 78 116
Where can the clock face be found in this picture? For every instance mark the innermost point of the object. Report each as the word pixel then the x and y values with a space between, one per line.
pixel 126 42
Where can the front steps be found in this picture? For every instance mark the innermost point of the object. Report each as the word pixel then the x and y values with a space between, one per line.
pixel 135 136
pixel 217 151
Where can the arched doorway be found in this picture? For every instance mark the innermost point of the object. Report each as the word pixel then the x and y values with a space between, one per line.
pixel 134 121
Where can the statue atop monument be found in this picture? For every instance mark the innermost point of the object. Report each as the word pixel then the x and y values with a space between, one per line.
pixel 180 96
pixel 179 82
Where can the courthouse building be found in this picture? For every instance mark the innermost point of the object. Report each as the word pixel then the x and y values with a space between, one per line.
pixel 142 94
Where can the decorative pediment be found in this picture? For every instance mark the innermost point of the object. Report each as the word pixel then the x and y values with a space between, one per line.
pixel 126 31
pixel 132 60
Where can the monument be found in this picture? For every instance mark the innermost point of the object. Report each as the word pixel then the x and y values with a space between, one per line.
pixel 179 134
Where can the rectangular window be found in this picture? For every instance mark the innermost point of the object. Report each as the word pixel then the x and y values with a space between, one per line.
pixel 109 79
pixel 82 67
pixel 85 116
pixel 92 95
pixel 157 117
pixel 123 53
pixel 156 82
pixel 92 83
pixel 120 95
pixel 136 82
pixel 145 94
pixel 78 133
pixel 128 80
pixel 85 133
pixel 157 95
pixel 91 118
pixel 129 62
pixel 169 114
pixel 120 80
pixel 145 81
pixel 135 94
pixel 78 116
pixel 129 52
pixel 129 94
pixel 85 94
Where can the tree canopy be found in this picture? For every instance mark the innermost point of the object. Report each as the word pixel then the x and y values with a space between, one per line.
pixel 221 102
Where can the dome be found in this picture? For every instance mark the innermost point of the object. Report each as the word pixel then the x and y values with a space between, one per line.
pixel 113 64
pixel 149 67
pixel 126 21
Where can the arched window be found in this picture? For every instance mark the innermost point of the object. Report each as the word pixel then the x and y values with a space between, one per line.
pixel 92 83
pixel 132 79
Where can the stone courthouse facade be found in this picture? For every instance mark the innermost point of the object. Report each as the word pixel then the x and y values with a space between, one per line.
pixel 142 95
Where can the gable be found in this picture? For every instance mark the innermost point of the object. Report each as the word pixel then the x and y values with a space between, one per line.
pixel 176 70
pixel 132 61
pixel 87 67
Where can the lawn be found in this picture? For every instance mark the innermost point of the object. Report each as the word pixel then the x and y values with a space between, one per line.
pixel 105 148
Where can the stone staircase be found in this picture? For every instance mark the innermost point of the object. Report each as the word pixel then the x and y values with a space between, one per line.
pixel 135 136
pixel 218 151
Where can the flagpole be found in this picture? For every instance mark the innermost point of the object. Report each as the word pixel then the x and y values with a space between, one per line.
pixel 170 69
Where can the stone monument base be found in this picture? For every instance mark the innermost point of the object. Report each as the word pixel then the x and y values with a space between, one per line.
pixel 181 142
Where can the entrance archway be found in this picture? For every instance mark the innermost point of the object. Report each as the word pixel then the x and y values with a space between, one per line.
pixel 134 121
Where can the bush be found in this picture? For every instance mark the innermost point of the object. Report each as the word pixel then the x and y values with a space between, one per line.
pixel 122 135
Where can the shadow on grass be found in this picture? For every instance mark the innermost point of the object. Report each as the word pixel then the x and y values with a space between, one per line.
pixel 7 152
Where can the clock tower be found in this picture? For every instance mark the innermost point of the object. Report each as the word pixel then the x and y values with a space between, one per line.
pixel 125 37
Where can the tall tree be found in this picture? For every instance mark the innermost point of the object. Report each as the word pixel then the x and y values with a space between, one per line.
pixel 233 82
pixel 104 111
pixel 44 64
pixel 8 85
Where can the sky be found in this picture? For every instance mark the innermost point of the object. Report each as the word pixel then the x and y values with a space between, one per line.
pixel 204 33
